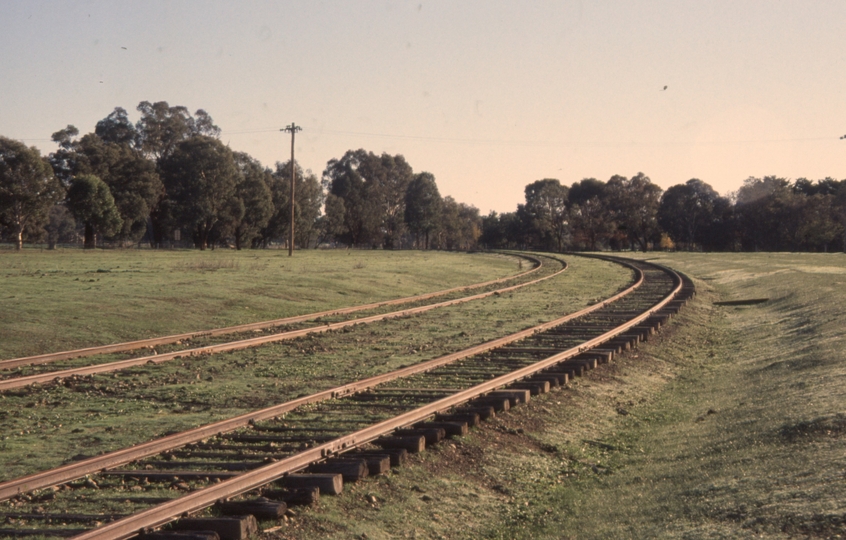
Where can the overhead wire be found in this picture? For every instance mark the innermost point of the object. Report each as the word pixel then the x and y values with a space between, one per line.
pixel 532 142
pixel 518 142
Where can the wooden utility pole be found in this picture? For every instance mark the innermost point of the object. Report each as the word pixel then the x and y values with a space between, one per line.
pixel 292 129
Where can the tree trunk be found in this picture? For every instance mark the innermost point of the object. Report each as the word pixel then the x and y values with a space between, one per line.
pixel 202 237
pixel 157 229
pixel 89 242
pixel 19 238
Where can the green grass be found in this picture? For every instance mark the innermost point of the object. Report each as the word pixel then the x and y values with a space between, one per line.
pixel 102 413
pixel 59 300
pixel 730 424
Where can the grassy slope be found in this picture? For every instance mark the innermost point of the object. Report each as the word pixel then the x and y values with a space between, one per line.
pixel 747 439
pixel 53 301
pixel 729 425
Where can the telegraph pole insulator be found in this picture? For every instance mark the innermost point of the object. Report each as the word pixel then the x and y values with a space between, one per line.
pixel 292 129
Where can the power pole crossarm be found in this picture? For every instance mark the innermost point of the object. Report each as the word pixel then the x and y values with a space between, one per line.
pixel 292 129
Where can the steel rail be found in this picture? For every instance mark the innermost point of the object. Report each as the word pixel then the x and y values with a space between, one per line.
pixel 166 340
pixel 73 471
pixel 40 378
pixel 130 526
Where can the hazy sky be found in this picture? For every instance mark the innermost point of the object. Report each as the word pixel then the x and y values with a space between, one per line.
pixel 486 95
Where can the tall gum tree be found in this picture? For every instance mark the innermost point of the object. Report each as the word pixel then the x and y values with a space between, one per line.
pixel 546 213
pixel 635 205
pixel 373 190
pixel 28 188
pixel 387 181
pixel 160 130
pixel 423 206
pixel 253 193
pixel 132 179
pixel 200 178
pixel 360 217
pixel 589 217
pixel 91 202
pixel 687 210
pixel 308 202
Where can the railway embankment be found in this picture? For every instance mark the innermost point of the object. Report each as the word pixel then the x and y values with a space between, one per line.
pixel 729 424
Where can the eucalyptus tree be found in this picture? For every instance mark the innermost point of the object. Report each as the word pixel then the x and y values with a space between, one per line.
pixel 92 204
pixel 162 127
pixel 761 212
pixel 423 205
pixel 590 221
pixel 634 203
pixel 330 225
pixel 387 179
pixel 343 180
pixel 160 130
pixel 200 179
pixel 373 189
pixel 686 212
pixel 308 202
pixel 493 231
pixel 546 213
pixel 60 227
pixel 28 188
pixel 117 128
pixel 460 226
pixel 253 195
pixel 111 154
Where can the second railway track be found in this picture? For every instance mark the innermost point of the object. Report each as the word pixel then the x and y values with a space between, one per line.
pixel 345 432
pixel 31 370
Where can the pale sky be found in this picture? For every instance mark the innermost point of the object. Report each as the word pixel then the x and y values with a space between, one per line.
pixel 486 95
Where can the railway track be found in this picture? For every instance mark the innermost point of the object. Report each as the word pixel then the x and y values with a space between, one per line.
pixel 537 265
pixel 313 444
pixel 12 375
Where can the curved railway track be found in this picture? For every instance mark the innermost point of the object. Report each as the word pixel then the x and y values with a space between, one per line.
pixel 315 323
pixel 250 327
pixel 341 434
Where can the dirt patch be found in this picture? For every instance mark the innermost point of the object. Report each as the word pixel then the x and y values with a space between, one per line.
pixel 830 426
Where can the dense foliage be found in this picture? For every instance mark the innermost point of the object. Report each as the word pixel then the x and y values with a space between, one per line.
pixel 765 214
pixel 27 189
pixel 167 181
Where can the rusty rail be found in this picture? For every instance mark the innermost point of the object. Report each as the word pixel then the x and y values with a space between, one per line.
pixel 166 340
pixel 193 502
pixel 197 500
pixel 79 469
pixel 40 378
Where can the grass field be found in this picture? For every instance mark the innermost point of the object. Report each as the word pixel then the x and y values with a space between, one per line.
pixel 110 411
pixel 59 300
pixel 730 425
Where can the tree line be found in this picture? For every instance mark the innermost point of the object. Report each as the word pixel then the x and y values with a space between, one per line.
pixel 167 180
pixel 765 214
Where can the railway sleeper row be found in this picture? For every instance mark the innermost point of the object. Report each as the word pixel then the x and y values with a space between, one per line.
pixel 238 519
pixel 327 475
